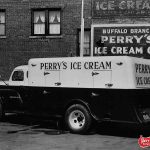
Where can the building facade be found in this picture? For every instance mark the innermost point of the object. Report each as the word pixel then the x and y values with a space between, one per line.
pixel 51 28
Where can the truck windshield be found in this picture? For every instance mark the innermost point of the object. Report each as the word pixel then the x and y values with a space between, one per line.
pixel 18 76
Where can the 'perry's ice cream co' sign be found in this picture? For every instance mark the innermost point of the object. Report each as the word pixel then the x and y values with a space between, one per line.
pixel 106 8
pixel 121 40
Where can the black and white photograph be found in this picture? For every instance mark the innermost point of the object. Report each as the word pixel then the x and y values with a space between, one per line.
pixel 74 74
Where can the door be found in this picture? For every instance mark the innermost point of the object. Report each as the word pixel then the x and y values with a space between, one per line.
pixel 102 103
pixel 52 78
pixel 50 100
pixel 102 78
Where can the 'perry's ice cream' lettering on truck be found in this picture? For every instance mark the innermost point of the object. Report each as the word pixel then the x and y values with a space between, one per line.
pixel 75 65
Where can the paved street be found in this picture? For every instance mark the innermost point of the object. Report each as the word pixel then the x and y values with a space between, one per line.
pixel 22 133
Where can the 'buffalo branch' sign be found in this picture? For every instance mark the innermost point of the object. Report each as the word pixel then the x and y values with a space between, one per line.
pixel 105 8
pixel 121 40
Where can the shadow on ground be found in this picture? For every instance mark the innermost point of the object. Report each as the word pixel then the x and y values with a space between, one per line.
pixel 32 125
pixel 29 125
pixel 121 131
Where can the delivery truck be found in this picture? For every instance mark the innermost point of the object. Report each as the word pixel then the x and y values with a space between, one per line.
pixel 81 90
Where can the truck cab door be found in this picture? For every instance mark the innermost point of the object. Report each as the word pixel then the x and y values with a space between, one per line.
pixel 102 103
pixel 50 99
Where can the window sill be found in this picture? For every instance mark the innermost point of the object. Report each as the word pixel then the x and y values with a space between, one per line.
pixel 46 37
pixel 2 37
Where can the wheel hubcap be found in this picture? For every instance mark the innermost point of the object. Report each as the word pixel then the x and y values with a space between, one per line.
pixel 77 119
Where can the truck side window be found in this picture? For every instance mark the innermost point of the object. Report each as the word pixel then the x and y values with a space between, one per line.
pixel 18 76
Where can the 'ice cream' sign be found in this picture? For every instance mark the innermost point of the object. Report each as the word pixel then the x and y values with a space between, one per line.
pixel 122 40
pixel 106 8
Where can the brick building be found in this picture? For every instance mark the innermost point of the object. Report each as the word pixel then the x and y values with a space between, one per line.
pixel 51 28
pixel 39 28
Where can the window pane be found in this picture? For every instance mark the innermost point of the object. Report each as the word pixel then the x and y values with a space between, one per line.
pixel 86 36
pixel 86 42
pixel 54 17
pixel 39 17
pixel 86 49
pixel 39 29
pixel 2 29
pixel 2 17
pixel 54 29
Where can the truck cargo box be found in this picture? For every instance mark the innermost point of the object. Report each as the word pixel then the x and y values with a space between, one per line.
pixel 90 72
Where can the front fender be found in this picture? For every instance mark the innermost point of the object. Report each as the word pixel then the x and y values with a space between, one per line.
pixel 11 99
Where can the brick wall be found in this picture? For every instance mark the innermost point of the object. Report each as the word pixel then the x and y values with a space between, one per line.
pixel 19 46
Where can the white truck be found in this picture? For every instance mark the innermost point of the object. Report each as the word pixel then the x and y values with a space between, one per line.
pixel 80 90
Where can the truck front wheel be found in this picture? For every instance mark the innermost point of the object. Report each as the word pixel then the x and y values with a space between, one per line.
pixel 77 119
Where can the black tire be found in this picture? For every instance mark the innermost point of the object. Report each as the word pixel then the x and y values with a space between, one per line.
pixel 78 119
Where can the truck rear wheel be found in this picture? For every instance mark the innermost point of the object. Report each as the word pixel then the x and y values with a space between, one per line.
pixel 77 119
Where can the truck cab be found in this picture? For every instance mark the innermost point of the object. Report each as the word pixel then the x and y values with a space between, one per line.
pixel 19 76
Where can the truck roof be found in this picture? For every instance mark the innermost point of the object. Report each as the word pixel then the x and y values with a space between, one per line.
pixel 86 58
pixel 24 67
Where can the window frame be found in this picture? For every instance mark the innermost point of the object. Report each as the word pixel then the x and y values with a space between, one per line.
pixel 47 31
pixel 3 11
pixel 78 47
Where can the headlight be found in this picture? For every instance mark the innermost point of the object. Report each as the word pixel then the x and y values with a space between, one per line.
pixel 145 114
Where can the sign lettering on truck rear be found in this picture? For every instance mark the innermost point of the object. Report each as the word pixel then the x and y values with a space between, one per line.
pixel 142 72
